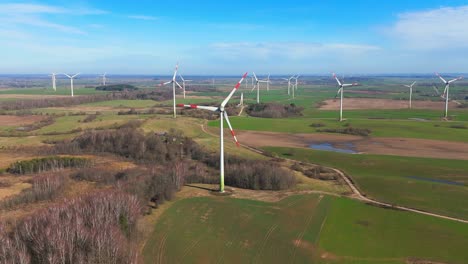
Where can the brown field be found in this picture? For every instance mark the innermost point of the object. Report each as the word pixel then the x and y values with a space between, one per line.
pixel 368 103
pixel 11 120
pixel 385 146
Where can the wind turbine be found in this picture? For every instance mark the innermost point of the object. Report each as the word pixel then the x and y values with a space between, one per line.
pixel 54 80
pixel 340 91
pixel 183 83
pixel 297 78
pixel 222 115
pixel 241 102
pixel 411 92
pixel 71 81
pixel 268 82
pixel 446 91
pixel 289 83
pixel 174 82
pixel 257 84
pixel 104 79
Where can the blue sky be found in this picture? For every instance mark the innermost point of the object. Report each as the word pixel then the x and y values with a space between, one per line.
pixel 230 37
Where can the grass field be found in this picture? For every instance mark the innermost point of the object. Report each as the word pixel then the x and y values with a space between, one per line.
pixel 50 91
pixel 124 103
pixel 299 229
pixel 380 128
pixel 390 178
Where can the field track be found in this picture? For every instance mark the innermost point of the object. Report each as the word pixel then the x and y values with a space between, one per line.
pixel 357 194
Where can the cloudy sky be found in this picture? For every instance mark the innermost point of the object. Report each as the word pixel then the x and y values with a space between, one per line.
pixel 307 37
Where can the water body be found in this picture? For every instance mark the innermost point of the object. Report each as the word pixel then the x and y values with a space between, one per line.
pixel 435 180
pixel 348 147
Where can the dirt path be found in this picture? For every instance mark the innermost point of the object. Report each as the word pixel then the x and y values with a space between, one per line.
pixel 357 193
pixel 409 147
pixel 369 103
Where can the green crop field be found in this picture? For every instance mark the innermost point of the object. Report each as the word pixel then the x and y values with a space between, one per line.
pixel 380 128
pixel 50 91
pixel 124 103
pixel 299 229
pixel 404 181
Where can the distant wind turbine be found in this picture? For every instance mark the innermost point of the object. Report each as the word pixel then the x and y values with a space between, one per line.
pixel 174 83
pixel 257 85
pixel 446 91
pixel 71 81
pixel 340 91
pixel 183 83
pixel 54 80
pixel 411 92
pixel 104 79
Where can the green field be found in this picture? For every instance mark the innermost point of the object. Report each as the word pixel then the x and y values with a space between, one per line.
pixel 438 130
pixel 299 229
pixel 388 178
pixel 49 91
pixel 124 103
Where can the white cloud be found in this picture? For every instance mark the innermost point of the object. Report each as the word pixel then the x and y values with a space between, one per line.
pixel 142 17
pixel 444 27
pixel 289 50
pixel 29 9
pixel 13 15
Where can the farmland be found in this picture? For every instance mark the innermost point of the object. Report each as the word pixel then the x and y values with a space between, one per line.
pixel 410 158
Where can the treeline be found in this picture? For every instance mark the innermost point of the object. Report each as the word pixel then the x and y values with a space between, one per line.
pixel 258 175
pixel 40 165
pixel 173 148
pixel 159 95
pixel 116 87
pixel 97 228
pixel 274 110
pixel 231 110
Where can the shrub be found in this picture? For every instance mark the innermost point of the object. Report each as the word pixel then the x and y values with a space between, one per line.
pixel 274 110
pixel 348 130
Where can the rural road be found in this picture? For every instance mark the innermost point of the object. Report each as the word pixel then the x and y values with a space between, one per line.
pixel 357 194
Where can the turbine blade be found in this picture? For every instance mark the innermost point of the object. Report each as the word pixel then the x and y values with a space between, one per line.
pixel 179 85
pixel 223 104
pixel 67 75
pixel 175 72
pixel 256 79
pixel 441 78
pixel 76 75
pixel 413 84
pixel 337 93
pixel 336 78
pixel 194 106
pixel 226 117
pixel 459 78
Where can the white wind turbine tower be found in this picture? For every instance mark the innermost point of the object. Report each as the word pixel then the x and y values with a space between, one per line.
pixel 183 83
pixel 54 81
pixel 446 91
pixel 71 81
pixel 289 83
pixel 174 83
pixel 222 115
pixel 296 78
pixel 241 102
pixel 268 82
pixel 257 85
pixel 411 92
pixel 340 91
pixel 104 79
